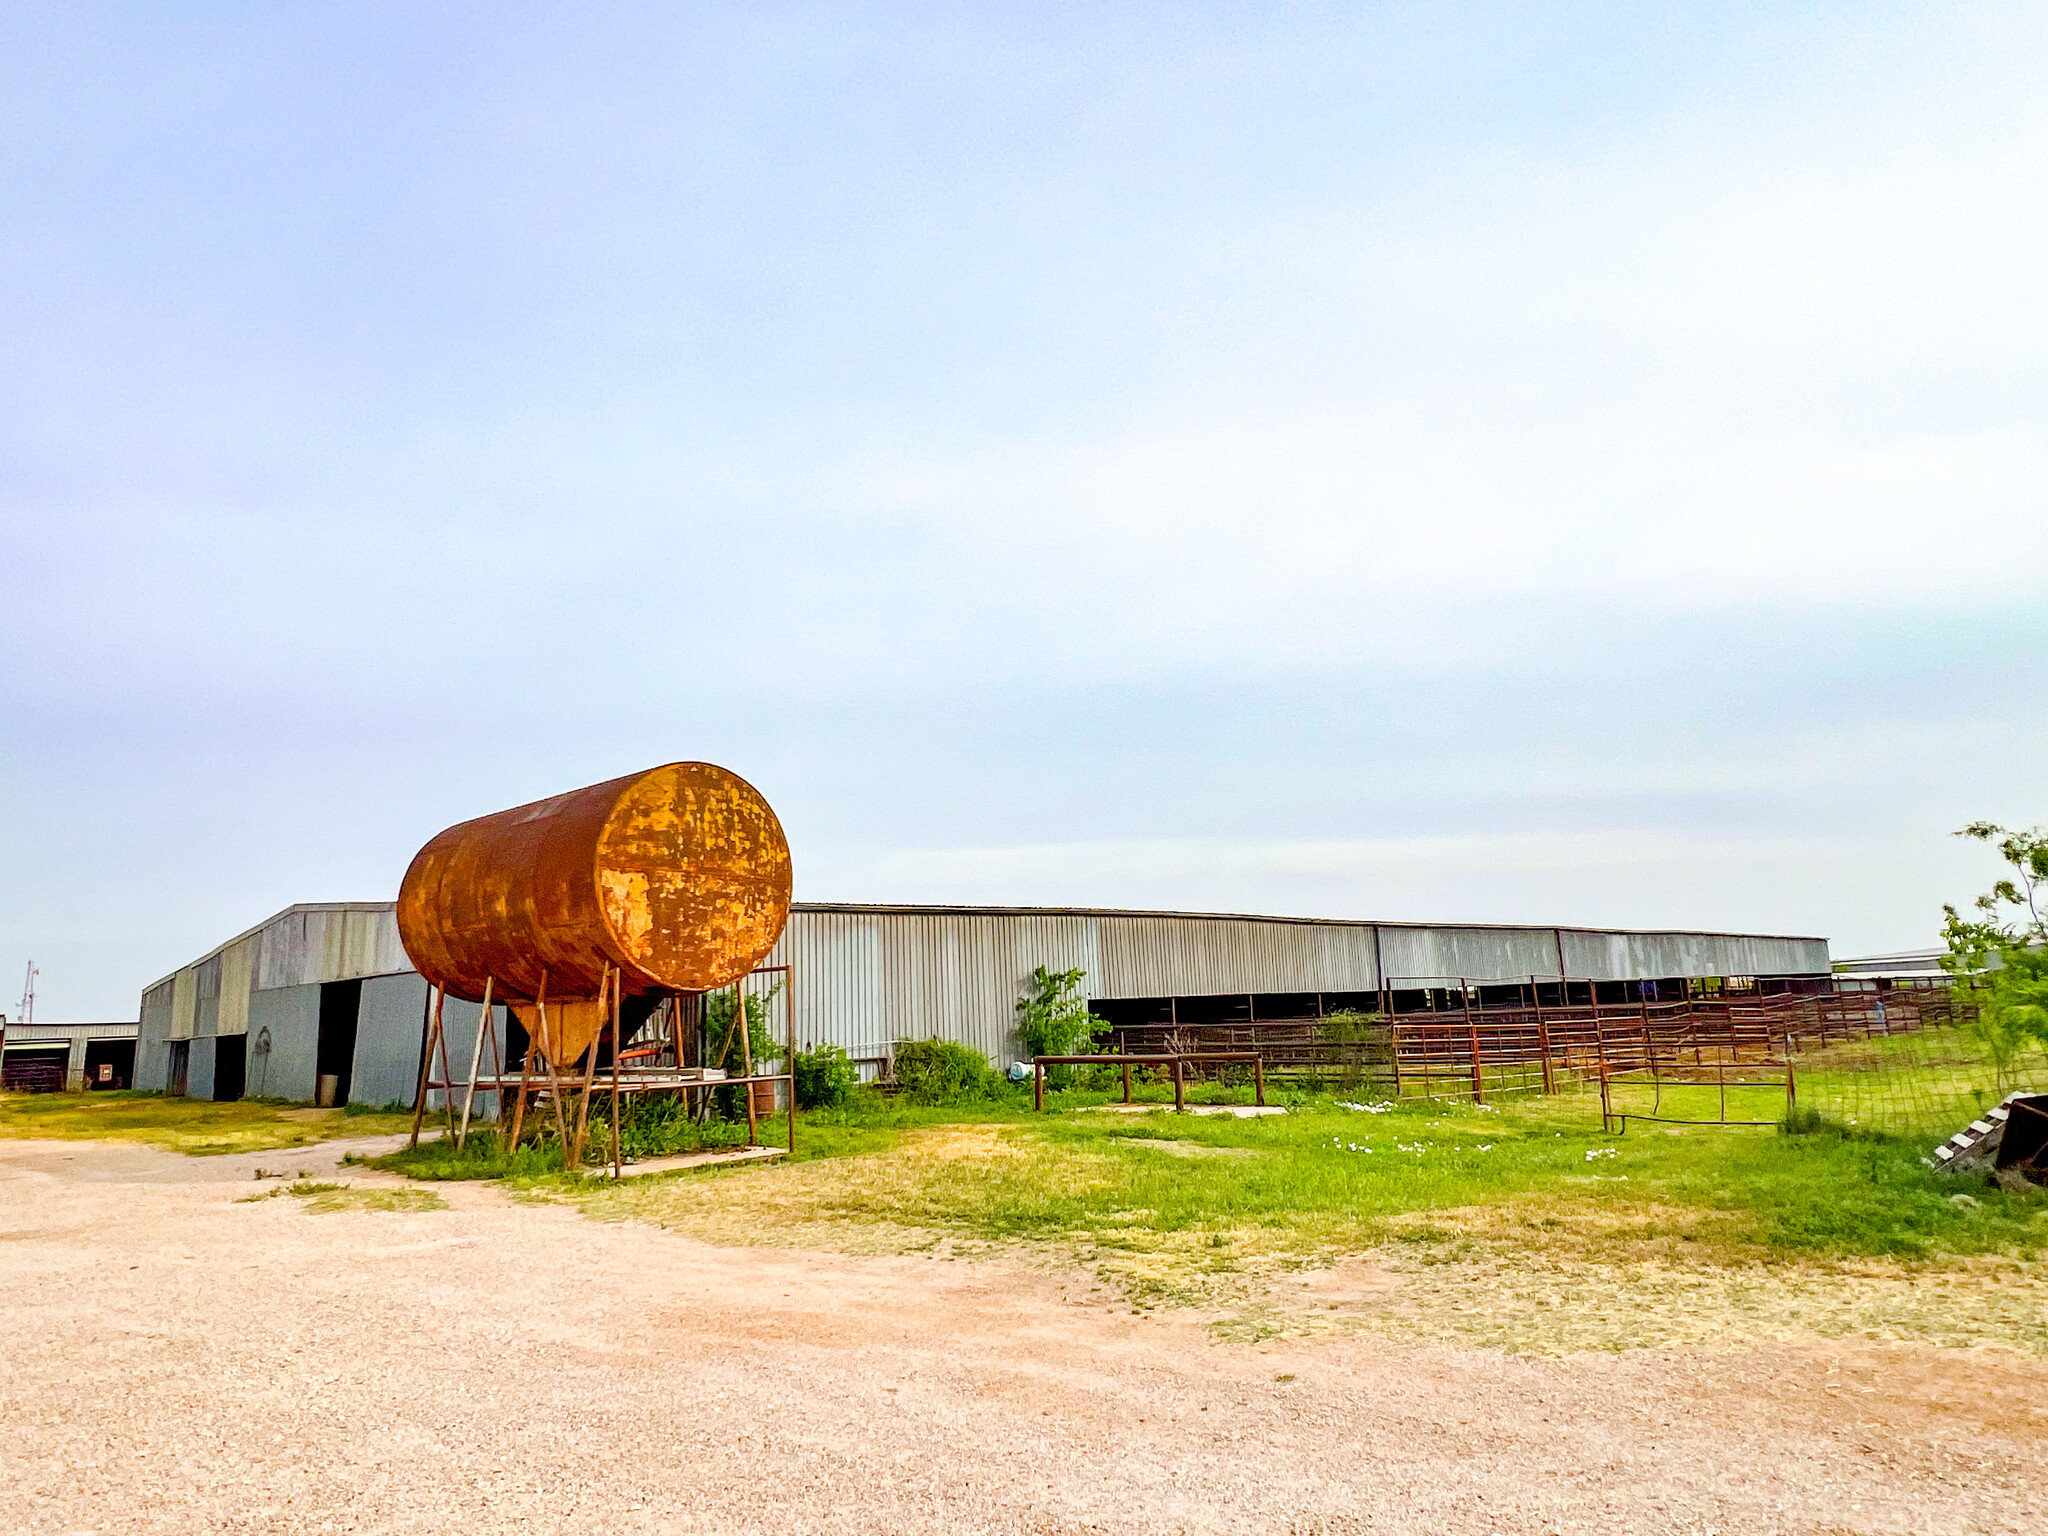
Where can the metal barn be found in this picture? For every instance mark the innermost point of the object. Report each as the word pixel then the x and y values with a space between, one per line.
pixel 325 990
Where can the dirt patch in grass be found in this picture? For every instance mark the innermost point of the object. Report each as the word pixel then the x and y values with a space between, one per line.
pixel 1551 1273
pixel 1182 1148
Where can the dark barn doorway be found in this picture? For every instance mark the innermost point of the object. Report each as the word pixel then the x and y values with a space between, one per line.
pixel 110 1063
pixel 335 1053
pixel 230 1067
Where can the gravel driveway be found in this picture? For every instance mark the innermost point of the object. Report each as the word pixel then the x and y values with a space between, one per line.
pixel 180 1360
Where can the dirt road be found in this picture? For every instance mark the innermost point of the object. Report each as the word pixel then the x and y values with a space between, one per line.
pixel 178 1360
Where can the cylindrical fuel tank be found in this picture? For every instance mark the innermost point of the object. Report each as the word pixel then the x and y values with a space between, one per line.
pixel 678 876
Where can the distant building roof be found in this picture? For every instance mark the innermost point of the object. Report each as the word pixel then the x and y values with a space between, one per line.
pixel 19 1033
pixel 1907 962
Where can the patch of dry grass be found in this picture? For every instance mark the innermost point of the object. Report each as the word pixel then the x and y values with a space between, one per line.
pixel 1554 1275
pixel 328 1198
pixel 198 1127
pixel 1582 1265
pixel 931 1183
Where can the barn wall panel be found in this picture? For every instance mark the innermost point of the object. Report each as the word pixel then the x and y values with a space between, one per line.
pixel 291 1017
pixel 1475 953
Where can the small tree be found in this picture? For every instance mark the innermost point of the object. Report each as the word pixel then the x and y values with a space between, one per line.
pixel 1052 1016
pixel 720 1036
pixel 2004 949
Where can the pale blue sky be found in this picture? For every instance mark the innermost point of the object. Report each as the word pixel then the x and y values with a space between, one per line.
pixel 1525 463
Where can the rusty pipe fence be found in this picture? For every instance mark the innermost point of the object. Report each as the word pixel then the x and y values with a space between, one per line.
pixel 1474 1050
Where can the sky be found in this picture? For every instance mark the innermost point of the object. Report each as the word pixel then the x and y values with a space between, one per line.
pixel 1530 462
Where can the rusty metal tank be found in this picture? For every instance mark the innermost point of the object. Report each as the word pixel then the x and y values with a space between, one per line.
pixel 678 876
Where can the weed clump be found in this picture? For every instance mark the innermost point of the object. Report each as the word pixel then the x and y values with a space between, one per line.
pixel 825 1078
pixel 946 1072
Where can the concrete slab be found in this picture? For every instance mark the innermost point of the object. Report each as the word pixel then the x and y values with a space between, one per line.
pixel 695 1160
pixel 1241 1111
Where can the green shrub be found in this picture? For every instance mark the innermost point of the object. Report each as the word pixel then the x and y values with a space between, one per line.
pixel 825 1078
pixel 945 1072
pixel 1361 1047
pixel 1053 1018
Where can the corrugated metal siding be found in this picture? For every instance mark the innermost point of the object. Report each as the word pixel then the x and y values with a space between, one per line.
pixel 281 948
pixel 1475 953
pixel 869 976
pixel 237 962
pixel 206 1007
pixel 291 1017
pixel 864 979
pixel 153 1028
pixel 360 942
pixel 1624 956
pixel 22 1034
pixel 837 961
pixel 307 945
pixel 184 1003
pixel 154 1014
pixel 1193 957
pixel 958 978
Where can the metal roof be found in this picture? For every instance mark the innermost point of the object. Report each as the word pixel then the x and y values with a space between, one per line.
pixel 1267 917
pixel 19 1033
pixel 912 909
pixel 255 928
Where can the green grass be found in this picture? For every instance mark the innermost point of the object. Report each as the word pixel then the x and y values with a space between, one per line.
pixel 325 1198
pixel 829 1134
pixel 1322 1177
pixel 1522 1225
pixel 199 1127
pixel 1752 1190
pixel 1927 1084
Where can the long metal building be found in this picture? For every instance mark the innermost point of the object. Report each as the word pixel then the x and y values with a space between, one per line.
pixel 325 990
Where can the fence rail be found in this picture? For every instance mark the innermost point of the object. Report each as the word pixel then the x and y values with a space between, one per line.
pixel 1473 1050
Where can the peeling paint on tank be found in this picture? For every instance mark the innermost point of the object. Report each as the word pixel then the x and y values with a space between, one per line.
pixel 679 876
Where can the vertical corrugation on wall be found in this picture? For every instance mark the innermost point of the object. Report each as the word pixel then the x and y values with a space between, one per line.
pixel 184 1002
pixel 1192 957
pixel 867 977
pixel 1479 954
pixel 864 980
pixel 1626 955
pixel 153 1028
pixel 267 972
pixel 281 952
pixel 1602 956
pixel 388 947
pixel 323 947
pixel 206 998
pixel 155 1017
pixel 237 967
pixel 836 959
